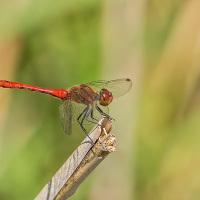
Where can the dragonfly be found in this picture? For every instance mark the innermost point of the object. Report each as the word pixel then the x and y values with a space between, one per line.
pixel 82 102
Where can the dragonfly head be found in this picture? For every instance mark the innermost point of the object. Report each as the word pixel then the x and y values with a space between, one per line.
pixel 105 97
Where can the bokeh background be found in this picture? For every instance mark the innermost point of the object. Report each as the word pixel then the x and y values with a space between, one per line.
pixel 57 44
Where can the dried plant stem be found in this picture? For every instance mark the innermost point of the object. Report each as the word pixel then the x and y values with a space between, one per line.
pixel 81 163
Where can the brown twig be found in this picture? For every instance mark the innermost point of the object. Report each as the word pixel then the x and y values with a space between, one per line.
pixel 81 163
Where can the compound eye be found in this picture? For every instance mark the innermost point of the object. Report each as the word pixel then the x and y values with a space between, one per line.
pixel 105 97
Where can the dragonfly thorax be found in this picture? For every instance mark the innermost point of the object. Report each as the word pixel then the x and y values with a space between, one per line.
pixel 83 94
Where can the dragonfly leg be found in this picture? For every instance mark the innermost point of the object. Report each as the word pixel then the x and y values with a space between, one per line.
pixel 81 122
pixel 91 114
pixel 81 114
pixel 102 113
pixel 93 117
pixel 85 111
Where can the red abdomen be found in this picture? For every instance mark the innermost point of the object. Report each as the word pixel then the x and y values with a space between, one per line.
pixel 59 93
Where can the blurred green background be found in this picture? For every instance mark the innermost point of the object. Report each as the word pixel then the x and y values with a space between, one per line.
pixel 57 44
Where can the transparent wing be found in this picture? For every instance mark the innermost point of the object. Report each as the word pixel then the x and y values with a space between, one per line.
pixel 70 111
pixel 117 87
pixel 66 116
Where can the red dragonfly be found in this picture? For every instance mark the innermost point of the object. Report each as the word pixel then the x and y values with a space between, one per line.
pixel 81 102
